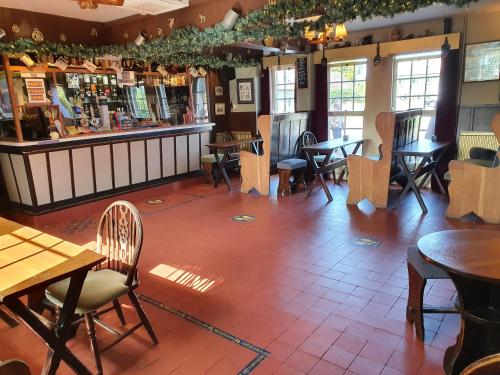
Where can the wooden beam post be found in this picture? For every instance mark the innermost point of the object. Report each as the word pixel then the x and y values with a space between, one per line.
pixel 13 98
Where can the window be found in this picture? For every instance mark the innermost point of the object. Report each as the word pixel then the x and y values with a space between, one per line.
pixel 347 95
pixel 137 101
pixel 283 89
pixel 416 84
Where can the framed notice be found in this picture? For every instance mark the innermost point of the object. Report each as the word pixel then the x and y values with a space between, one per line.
pixel 482 62
pixel 302 73
pixel 245 91
pixel 36 90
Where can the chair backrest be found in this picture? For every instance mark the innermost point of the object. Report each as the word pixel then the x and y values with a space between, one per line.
pixel 241 136
pixel 485 366
pixel 407 127
pixel 308 138
pixel 119 238
pixel 468 140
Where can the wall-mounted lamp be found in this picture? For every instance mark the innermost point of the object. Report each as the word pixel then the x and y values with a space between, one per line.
pixel 340 32
pixel 324 61
pixel 140 38
pixel 377 60
pixel 445 48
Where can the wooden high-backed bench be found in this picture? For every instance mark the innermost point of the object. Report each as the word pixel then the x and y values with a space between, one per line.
pixel 369 178
pixel 474 188
pixel 255 169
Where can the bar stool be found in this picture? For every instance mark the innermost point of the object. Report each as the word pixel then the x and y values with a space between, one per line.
pixel 288 167
pixel 419 271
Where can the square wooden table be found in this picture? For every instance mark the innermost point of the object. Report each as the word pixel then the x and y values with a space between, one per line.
pixel 31 260
pixel 430 153
pixel 227 146
pixel 327 148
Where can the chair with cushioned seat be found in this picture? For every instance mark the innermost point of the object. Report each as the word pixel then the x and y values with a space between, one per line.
pixel 419 271
pixel 14 367
pixel 207 163
pixel 286 168
pixel 119 237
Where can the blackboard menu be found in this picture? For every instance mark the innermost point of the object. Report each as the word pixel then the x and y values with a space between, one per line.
pixel 302 72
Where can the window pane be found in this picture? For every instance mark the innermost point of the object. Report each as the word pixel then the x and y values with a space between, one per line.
pixel 432 86
pixel 335 74
pixel 335 105
pixel 360 88
pixel 335 126
pixel 430 102
pixel 280 92
pixel 417 102
pixel 290 90
pixel 434 66
pixel 418 86
pixel 360 72
pixel 347 89
pixel 402 103
pixel 347 104
pixel 280 106
pixel 335 90
pixel 419 68
pixel 290 75
pixel 404 69
pixel 359 104
pixel 280 77
pixel 348 73
pixel 290 105
pixel 403 87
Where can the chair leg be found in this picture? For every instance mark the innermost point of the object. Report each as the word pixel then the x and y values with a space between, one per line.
pixel 142 316
pixel 414 309
pixel 207 171
pixel 284 181
pixel 8 318
pixel 89 323
pixel 119 311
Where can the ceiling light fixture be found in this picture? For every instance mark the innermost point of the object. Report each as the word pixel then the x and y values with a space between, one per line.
pixel 377 60
pixel 94 4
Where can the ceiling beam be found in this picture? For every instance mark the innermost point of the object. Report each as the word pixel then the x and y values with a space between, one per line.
pixel 263 48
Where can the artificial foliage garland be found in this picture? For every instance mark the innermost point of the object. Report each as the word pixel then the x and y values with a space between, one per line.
pixel 191 45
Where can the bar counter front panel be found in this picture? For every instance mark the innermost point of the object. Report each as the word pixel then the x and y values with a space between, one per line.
pixel 44 176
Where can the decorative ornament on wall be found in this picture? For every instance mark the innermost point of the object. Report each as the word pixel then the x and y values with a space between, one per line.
pixel 171 22
pixel 62 37
pixel 159 31
pixel 202 18
pixel 272 2
pixel 93 32
pixel 37 35
pixel 268 41
pixel 15 29
pixel 125 34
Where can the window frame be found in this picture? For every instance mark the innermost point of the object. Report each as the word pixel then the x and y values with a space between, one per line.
pixel 273 85
pixel 353 113
pixel 413 57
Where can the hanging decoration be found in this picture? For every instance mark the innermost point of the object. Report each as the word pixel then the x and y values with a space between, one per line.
pixel 171 22
pixel 15 29
pixel 93 32
pixel 159 31
pixel 62 37
pixel 189 45
pixel 37 35
pixel 125 34
pixel 202 18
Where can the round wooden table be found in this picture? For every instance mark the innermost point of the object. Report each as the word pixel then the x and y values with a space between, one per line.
pixel 472 260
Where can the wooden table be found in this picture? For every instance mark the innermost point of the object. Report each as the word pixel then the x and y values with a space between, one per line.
pixel 31 260
pixel 227 146
pixel 472 260
pixel 430 153
pixel 327 148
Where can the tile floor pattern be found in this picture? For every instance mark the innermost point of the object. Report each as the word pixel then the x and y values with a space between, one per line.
pixel 292 281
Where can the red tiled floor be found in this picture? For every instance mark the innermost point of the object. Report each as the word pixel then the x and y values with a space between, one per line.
pixel 292 281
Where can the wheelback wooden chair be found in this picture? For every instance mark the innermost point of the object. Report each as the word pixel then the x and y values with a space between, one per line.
pixel 119 238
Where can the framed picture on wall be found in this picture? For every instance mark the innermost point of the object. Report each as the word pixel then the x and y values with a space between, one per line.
pixel 245 90
pixel 219 91
pixel 482 62
pixel 220 109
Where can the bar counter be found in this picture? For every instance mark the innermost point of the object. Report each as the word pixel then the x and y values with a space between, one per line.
pixel 42 176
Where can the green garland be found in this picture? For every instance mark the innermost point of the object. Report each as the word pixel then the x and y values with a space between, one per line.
pixel 191 45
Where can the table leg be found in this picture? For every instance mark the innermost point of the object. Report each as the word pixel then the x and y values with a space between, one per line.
pixel 56 340
pixel 221 170
pixel 318 175
pixel 480 329
pixel 411 182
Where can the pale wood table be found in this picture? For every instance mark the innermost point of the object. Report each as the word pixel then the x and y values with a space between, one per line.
pixel 30 260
